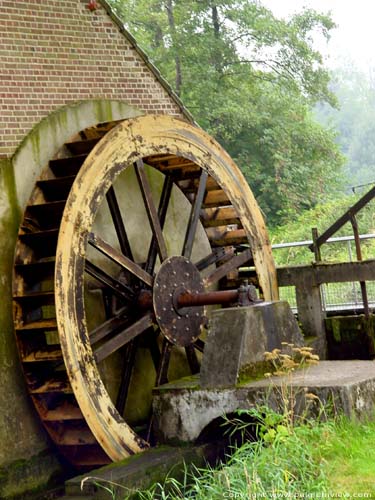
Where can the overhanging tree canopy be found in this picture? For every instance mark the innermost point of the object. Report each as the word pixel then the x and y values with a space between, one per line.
pixel 251 80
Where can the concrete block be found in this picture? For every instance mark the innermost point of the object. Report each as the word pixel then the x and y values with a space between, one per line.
pixel 184 411
pixel 350 337
pixel 141 471
pixel 238 338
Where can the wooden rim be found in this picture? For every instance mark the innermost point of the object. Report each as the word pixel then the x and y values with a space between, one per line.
pixel 132 142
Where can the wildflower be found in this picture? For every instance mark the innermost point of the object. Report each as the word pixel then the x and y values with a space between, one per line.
pixel 311 396
pixel 284 356
pixel 269 356
pixel 305 353
pixel 289 363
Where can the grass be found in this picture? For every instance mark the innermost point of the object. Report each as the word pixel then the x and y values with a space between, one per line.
pixel 333 459
pixel 291 457
pixel 350 457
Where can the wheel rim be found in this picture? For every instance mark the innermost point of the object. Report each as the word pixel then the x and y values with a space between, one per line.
pixel 138 141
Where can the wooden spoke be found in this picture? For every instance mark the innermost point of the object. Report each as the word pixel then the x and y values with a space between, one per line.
pixel 116 286
pixel 224 269
pixel 199 345
pixel 127 369
pixel 123 337
pixel 216 255
pixel 118 223
pixel 109 302
pixel 154 349
pixel 119 320
pixel 162 213
pixel 119 258
pixel 194 216
pixel 151 210
pixel 192 359
pixel 162 373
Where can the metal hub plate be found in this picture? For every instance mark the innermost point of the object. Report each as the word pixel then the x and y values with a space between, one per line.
pixel 181 326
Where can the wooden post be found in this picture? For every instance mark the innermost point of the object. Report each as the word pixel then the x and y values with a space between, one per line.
pixel 357 240
pixel 311 315
pixel 316 247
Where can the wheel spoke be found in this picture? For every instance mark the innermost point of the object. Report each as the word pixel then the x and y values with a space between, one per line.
pixel 118 223
pixel 154 349
pixel 162 213
pixel 108 302
pixel 199 345
pixel 162 373
pixel 161 368
pixel 116 286
pixel 129 360
pixel 110 326
pixel 119 258
pixel 192 359
pixel 216 255
pixel 151 210
pixel 224 269
pixel 123 337
pixel 194 216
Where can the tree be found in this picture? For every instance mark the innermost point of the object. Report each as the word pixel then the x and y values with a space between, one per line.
pixel 250 80
pixel 355 121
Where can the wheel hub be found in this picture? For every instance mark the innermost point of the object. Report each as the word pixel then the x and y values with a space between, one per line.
pixel 181 326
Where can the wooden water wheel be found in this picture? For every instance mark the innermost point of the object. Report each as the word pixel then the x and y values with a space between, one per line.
pixel 116 232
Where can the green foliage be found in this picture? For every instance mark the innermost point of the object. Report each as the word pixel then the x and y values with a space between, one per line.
pixel 284 461
pixel 331 457
pixel 250 80
pixel 350 458
pixel 322 216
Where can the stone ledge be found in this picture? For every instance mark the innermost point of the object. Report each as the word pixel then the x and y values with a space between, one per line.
pixel 137 472
pixel 183 411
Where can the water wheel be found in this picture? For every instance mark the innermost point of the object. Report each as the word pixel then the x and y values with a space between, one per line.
pixel 129 219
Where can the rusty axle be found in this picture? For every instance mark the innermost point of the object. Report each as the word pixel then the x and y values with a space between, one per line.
pixel 187 299
pixel 245 295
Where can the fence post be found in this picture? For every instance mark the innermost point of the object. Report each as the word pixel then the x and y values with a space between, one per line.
pixel 357 240
pixel 316 247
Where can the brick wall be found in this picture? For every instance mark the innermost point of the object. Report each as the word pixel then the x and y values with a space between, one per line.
pixel 54 52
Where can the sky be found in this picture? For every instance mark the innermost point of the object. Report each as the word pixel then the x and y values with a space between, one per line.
pixel 353 39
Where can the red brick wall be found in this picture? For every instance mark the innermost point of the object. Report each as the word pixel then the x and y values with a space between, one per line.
pixel 55 52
